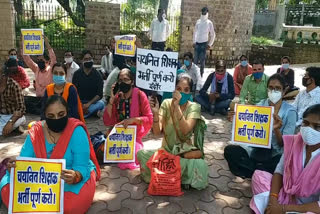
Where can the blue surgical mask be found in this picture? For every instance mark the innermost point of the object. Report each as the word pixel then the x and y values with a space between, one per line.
pixel 285 66
pixel 186 62
pixel 59 80
pixel 257 75
pixel 244 63
pixel 12 57
pixel 184 98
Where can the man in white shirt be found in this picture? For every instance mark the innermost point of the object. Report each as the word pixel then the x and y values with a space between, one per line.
pixel 201 39
pixel 193 70
pixel 70 64
pixel 107 61
pixel 159 31
pixel 311 95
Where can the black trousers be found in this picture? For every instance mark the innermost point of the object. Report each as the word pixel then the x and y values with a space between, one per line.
pixel 159 46
pixel 242 165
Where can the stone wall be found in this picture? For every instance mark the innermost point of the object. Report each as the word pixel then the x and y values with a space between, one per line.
pixel 102 23
pixel 233 21
pixel 7 29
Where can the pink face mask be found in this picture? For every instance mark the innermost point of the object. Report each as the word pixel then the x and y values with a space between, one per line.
pixel 220 76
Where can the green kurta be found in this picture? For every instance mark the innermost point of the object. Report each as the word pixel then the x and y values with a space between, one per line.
pixel 193 171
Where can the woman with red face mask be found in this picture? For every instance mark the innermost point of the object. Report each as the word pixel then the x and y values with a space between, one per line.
pixel 221 91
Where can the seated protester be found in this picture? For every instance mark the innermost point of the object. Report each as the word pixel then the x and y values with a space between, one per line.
pixel 178 119
pixel 107 61
pixel 17 73
pixel 89 84
pixel 13 54
pixel 242 70
pixel 60 137
pixel 254 88
pixel 309 96
pixel 12 108
pixel 221 91
pixel 288 74
pixel 193 70
pixel 128 106
pixel 244 160
pixel 71 65
pixel 294 186
pixel 64 89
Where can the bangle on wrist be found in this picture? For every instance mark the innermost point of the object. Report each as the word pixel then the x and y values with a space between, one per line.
pixel 77 178
pixel 274 195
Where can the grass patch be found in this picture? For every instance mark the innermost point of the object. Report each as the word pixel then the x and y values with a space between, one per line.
pixel 264 41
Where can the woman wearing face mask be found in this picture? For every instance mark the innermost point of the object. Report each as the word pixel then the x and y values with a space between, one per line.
pixel 128 106
pixel 244 160
pixel 242 70
pixel 65 89
pixel 60 137
pixel 294 186
pixel 178 118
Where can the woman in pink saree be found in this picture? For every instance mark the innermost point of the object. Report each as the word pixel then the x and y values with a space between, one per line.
pixel 295 184
pixel 129 106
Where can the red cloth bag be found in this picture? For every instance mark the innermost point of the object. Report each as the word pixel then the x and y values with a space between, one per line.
pixel 165 174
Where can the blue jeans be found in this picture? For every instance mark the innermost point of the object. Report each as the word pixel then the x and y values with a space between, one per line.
pixel 220 105
pixel 93 108
pixel 200 51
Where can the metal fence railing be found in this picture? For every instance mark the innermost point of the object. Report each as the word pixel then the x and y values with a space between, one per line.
pixel 303 15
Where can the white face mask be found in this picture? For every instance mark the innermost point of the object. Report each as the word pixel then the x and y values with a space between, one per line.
pixel 204 17
pixel 309 135
pixel 274 96
pixel 68 60
pixel 164 16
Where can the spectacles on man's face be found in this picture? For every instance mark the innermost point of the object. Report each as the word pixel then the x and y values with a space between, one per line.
pixel 125 80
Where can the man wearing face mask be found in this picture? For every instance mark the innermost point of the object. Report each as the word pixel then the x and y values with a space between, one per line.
pixel 311 95
pixel 159 31
pixel 17 73
pixel 201 40
pixel 89 84
pixel 254 88
pixel 107 60
pixel 193 70
pixel 13 55
pixel 70 64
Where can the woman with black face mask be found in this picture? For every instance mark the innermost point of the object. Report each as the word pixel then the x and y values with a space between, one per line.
pixel 60 137
pixel 128 106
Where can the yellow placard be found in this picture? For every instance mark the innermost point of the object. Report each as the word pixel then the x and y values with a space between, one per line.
pixel 252 125
pixel 125 45
pixel 36 186
pixel 120 145
pixel 33 43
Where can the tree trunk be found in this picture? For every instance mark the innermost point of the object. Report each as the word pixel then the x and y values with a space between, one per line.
pixel 78 16
pixel 164 5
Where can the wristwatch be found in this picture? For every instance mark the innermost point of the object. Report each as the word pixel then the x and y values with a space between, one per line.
pixel 10 121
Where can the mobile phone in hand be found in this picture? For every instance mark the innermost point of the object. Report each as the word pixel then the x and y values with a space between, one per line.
pixel 116 89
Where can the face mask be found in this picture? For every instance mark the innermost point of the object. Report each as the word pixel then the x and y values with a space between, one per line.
pixel 204 17
pixel 184 98
pixel 180 71
pixel 244 63
pixel 220 76
pixel 309 135
pixel 57 125
pixel 41 64
pixel 88 64
pixel 186 62
pixel 12 57
pixel 274 96
pixel 59 80
pixel 164 16
pixel 258 75
pixel 124 87
pixel 68 60
pixel 305 82
pixel 285 66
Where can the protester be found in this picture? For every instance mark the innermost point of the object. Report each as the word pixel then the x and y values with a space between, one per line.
pixel 201 39
pixel 12 108
pixel 159 31
pixel 309 96
pixel 178 119
pixel 107 61
pixel 221 92
pixel 48 139
pixel 242 70
pixel 89 84
pixel 17 73
pixel 294 186
pixel 65 89
pixel 244 160
pixel 71 65
pixel 13 54
pixel 254 88
pixel 193 70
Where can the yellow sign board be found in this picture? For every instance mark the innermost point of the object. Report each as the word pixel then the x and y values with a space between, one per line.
pixel 125 45
pixel 120 145
pixel 32 41
pixel 36 186
pixel 252 125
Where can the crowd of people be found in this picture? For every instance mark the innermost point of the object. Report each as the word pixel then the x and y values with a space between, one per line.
pixel 68 93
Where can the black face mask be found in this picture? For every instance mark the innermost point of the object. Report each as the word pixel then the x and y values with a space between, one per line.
pixel 88 64
pixel 41 64
pixel 305 81
pixel 57 125
pixel 124 87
